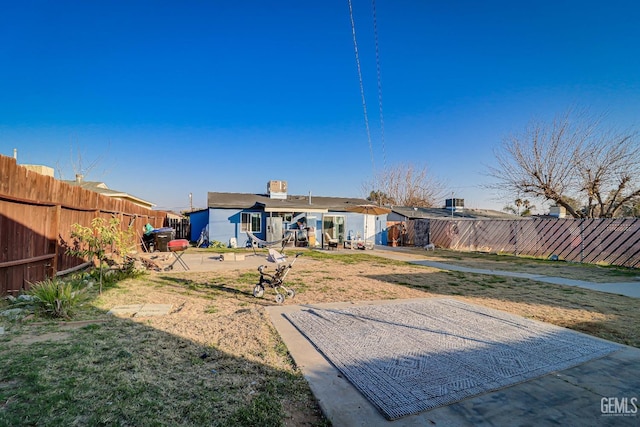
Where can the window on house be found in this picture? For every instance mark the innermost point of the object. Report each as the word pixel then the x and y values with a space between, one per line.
pixel 334 226
pixel 251 222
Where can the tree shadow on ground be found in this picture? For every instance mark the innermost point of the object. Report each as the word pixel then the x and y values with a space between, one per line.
pixel 126 372
pixel 205 286
pixel 605 315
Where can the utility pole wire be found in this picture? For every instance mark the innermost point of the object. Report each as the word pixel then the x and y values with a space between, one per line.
pixel 379 75
pixel 364 102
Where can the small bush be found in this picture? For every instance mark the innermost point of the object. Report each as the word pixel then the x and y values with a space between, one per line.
pixel 110 276
pixel 217 244
pixel 56 298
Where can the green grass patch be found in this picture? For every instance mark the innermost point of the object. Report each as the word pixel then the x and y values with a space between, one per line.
pixel 404 283
pixel 264 410
pixel 353 257
pixel 297 284
pixel 248 277
pixel 572 291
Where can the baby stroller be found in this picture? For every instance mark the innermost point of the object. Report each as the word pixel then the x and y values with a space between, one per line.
pixel 276 279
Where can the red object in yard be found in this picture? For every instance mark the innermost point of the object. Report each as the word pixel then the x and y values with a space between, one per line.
pixel 178 245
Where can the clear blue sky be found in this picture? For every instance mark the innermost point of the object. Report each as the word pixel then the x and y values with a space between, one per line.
pixel 172 98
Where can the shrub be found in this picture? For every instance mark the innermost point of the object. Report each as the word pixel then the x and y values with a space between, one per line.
pixel 93 242
pixel 56 298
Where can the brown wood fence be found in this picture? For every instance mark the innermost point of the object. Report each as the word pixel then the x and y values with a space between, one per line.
pixel 36 214
pixel 608 241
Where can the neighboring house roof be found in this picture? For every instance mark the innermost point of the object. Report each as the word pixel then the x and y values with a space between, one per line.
pixel 436 213
pixel 173 215
pixel 101 187
pixel 289 204
pixel 196 211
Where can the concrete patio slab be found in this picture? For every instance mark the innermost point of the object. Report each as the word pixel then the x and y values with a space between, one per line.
pixel 201 262
pixel 140 310
pixel 153 310
pixel 125 309
pixel 584 395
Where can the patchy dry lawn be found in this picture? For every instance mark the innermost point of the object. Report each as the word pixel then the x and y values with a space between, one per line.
pixel 572 270
pixel 216 359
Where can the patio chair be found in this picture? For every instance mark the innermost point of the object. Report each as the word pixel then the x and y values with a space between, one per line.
pixel 330 242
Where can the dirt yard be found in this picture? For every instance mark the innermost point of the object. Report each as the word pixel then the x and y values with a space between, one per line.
pixel 225 294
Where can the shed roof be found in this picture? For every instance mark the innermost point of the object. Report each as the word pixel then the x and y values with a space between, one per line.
pixel 435 213
pixel 291 203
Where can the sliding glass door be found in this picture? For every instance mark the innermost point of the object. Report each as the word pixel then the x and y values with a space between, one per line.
pixel 333 225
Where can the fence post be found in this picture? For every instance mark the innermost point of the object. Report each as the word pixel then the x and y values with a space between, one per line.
pixel 56 230
pixel 515 236
pixel 581 240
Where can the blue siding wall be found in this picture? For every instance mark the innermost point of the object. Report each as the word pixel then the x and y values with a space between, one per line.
pixel 198 221
pixel 381 230
pixel 225 224
pixel 355 226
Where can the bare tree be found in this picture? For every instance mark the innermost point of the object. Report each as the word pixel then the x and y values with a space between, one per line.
pixel 609 169
pixel 405 185
pixel 571 159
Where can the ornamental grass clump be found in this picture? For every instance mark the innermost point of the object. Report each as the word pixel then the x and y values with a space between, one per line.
pixel 56 298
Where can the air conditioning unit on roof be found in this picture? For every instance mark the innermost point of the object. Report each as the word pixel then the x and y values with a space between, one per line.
pixel 454 204
pixel 277 189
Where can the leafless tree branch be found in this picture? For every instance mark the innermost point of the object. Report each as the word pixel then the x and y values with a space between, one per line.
pixel 405 185
pixel 570 159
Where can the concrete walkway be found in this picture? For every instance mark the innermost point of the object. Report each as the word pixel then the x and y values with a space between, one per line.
pixel 572 396
pixel 200 262
pixel 630 289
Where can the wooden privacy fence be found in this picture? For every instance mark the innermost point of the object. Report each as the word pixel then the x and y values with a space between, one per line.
pixel 182 227
pixel 36 214
pixel 609 241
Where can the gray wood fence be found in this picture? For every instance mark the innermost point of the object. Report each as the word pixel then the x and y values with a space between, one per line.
pixel 606 241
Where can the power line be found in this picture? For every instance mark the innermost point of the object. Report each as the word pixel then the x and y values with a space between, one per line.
pixel 364 102
pixel 379 75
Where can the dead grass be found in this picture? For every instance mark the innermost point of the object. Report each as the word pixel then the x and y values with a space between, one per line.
pixel 218 349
